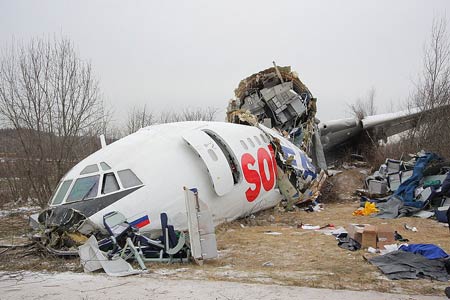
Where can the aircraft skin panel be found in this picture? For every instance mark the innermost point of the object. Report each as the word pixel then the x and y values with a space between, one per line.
pixel 214 159
pixel 165 163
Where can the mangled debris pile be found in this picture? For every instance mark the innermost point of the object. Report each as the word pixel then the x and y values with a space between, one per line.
pixel 276 98
pixel 418 187
pixel 277 102
pixel 71 233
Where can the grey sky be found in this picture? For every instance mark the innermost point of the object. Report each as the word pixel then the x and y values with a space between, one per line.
pixel 176 54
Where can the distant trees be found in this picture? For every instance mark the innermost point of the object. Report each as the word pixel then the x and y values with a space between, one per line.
pixel 142 117
pixel 138 118
pixel 52 100
pixel 364 107
pixel 189 114
pixel 433 92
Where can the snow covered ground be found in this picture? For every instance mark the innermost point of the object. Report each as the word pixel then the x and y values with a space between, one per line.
pixel 25 210
pixel 31 285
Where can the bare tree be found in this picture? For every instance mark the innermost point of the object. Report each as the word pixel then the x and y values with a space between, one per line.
pixel 364 107
pixel 139 118
pixel 51 98
pixel 189 114
pixel 433 92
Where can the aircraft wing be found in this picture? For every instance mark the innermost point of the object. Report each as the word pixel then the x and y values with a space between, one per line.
pixel 338 132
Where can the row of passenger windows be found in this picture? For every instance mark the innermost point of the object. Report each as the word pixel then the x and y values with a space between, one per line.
pixel 87 187
pixel 252 143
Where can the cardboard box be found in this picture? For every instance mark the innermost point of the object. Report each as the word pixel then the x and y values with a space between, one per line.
pixel 364 234
pixel 355 232
pixel 385 235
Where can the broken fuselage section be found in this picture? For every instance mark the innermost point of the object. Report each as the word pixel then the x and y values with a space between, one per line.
pixel 278 99
pixel 233 166
pixel 238 169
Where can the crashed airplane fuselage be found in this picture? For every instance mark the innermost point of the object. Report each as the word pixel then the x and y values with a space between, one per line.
pixel 233 166
pixel 237 169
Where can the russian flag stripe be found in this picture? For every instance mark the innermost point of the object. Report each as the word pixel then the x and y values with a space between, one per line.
pixel 141 222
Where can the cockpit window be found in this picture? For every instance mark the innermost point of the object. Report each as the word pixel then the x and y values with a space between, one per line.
pixel 89 169
pixel 59 197
pixel 128 178
pixel 109 183
pixel 105 166
pixel 84 188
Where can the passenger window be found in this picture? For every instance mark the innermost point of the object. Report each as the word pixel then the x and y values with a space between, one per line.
pixel 59 197
pixel 244 145
pixel 128 178
pixel 257 140
pixel 89 169
pixel 84 188
pixel 264 138
pixel 251 142
pixel 109 183
pixel 105 166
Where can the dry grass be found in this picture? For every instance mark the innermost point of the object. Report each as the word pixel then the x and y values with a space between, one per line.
pixel 297 257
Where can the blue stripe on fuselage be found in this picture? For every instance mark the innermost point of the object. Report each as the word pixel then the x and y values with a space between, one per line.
pixel 307 167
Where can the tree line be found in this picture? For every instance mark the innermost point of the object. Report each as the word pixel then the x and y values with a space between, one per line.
pixel 431 91
pixel 52 112
pixel 51 106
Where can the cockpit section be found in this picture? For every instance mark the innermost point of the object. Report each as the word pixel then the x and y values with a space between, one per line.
pixel 94 181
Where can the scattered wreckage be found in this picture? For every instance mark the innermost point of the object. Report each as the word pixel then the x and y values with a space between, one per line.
pixel 250 163
pixel 237 169
pixel 417 187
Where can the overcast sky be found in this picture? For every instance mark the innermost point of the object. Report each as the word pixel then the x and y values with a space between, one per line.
pixel 176 54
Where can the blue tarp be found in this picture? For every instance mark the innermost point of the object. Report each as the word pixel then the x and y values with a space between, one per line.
pixel 430 251
pixel 405 191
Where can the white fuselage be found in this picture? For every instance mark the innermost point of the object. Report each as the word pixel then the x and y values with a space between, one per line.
pixel 234 179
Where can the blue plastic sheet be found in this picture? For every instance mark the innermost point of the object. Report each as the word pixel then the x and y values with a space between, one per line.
pixel 429 251
pixel 405 191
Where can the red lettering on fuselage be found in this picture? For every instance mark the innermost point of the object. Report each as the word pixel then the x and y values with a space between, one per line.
pixel 252 176
pixel 260 175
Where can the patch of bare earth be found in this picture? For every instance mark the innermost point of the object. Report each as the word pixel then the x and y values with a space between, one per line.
pixel 295 257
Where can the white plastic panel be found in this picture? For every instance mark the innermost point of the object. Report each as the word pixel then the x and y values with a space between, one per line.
pixel 214 159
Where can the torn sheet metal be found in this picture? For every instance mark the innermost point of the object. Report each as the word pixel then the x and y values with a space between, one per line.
pixel 202 237
pixel 65 231
pixel 92 259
